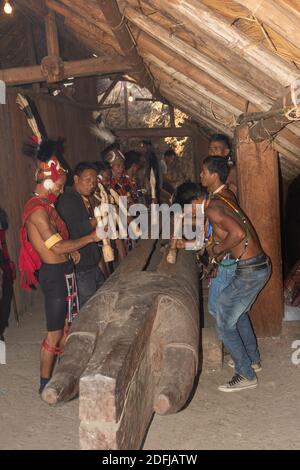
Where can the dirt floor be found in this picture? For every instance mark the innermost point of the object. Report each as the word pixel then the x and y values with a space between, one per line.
pixel 264 418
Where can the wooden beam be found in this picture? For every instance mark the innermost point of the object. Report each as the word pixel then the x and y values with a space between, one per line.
pixel 225 56
pixel 149 45
pixel 92 13
pixel 51 34
pixel 192 110
pixel 205 106
pixel 207 20
pixel 188 101
pixel 257 166
pixel 203 91
pixel 112 14
pixel 201 61
pixel 100 39
pixel 77 68
pixel 149 132
pixel 275 15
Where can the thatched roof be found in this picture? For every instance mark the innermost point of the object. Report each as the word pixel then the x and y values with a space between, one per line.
pixel 214 59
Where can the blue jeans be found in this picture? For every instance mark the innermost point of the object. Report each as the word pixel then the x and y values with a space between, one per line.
pixel 223 279
pixel 233 325
pixel 88 282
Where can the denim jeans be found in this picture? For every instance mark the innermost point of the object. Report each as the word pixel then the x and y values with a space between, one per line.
pixel 223 279
pixel 88 282
pixel 230 309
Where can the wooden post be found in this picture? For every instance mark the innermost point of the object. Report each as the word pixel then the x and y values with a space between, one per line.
pixel 52 66
pixel 51 34
pixel 258 180
pixel 172 116
pixel 126 105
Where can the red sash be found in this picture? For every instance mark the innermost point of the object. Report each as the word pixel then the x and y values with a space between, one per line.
pixel 29 259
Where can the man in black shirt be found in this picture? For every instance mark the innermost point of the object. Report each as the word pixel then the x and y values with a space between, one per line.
pixel 75 209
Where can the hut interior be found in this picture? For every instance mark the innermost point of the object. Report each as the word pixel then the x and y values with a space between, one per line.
pixel 227 66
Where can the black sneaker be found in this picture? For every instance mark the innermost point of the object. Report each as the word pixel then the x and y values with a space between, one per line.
pixel 238 383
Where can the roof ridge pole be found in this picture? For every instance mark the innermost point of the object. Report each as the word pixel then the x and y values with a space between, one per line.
pixel 122 33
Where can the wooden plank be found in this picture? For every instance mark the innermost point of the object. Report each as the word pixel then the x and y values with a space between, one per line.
pixel 277 17
pixel 226 56
pixel 51 34
pixel 192 55
pixel 196 13
pixel 203 91
pixel 257 166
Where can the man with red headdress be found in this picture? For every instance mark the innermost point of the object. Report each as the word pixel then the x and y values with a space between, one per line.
pixel 45 248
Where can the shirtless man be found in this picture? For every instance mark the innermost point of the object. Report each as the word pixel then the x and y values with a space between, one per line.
pixel 45 240
pixel 233 233
pixel 221 275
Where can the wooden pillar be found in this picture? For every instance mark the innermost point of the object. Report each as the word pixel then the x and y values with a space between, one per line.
pixel 51 34
pixel 258 183
pixel 126 105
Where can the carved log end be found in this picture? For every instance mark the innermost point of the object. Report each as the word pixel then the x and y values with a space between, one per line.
pixel 162 405
pixel 50 396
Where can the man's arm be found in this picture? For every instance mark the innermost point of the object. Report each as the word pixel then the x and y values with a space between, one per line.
pixel 235 233
pixel 41 222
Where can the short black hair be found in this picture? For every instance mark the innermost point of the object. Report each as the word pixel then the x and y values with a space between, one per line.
pixel 169 153
pixel 132 157
pixel 102 166
pixel 147 142
pixel 82 166
pixel 187 192
pixel 221 138
pixel 219 165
